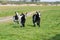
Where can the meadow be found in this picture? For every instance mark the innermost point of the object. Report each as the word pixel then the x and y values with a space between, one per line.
pixel 49 28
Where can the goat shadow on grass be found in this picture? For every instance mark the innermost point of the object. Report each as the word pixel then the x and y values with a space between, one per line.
pixel 15 26
pixel 30 25
pixel 56 37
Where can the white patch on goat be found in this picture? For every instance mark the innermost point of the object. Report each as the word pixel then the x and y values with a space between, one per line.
pixel 14 20
pixel 39 14
pixel 20 20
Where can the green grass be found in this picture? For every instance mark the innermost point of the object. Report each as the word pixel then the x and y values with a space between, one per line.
pixel 10 10
pixel 49 29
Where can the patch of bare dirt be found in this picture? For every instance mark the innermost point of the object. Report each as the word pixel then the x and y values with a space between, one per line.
pixel 8 18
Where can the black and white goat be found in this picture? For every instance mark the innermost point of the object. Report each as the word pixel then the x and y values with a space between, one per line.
pixel 36 19
pixel 20 19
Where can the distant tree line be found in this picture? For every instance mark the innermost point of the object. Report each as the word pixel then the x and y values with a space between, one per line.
pixel 23 2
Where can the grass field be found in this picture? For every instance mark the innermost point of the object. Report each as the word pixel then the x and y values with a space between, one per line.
pixel 49 29
pixel 10 10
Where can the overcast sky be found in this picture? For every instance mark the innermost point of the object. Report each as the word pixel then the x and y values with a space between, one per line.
pixel 50 0
pixel 40 0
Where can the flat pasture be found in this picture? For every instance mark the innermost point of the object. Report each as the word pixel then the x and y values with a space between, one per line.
pixel 49 28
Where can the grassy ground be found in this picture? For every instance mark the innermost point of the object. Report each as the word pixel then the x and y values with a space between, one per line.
pixel 49 29
pixel 10 10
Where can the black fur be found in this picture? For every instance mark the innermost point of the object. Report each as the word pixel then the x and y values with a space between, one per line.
pixel 36 19
pixel 23 20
